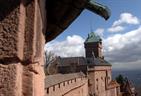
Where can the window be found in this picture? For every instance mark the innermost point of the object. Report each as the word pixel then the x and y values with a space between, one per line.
pixel 71 80
pixel 47 90
pixel 53 88
pixel 63 83
pixel 97 87
pixel 101 78
pixel 75 79
pixel 68 82
pixel 59 85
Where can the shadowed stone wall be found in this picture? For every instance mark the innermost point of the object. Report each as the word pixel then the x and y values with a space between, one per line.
pixel 21 47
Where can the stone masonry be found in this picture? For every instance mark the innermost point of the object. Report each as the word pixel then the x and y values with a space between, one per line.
pixel 23 29
pixel 21 47
pixel 73 84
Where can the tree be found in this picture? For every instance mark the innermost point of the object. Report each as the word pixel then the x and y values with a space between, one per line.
pixel 49 57
pixel 121 80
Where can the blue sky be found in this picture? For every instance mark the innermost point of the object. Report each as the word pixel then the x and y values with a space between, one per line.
pixel 121 34
pixel 87 20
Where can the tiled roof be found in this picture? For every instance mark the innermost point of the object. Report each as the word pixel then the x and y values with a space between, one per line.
pixel 129 87
pixel 68 61
pixel 51 80
pixel 113 84
pixel 97 62
pixel 92 37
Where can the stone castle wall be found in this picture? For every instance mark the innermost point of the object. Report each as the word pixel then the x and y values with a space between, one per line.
pixel 22 29
pixel 96 84
pixel 72 87
pixel 21 48
pixel 99 77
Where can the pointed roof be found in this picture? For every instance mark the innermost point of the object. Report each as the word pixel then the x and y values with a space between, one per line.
pixel 68 61
pixel 113 84
pixel 92 37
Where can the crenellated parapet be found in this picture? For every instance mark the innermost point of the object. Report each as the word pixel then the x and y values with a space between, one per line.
pixel 66 85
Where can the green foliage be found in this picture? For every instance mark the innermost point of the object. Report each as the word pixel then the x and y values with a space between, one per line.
pixel 120 79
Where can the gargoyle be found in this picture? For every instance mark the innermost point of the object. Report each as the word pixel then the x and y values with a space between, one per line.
pixel 61 13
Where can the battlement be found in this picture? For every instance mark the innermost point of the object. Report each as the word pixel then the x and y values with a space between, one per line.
pixel 66 85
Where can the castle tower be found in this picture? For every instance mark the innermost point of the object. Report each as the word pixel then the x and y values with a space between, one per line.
pixel 93 46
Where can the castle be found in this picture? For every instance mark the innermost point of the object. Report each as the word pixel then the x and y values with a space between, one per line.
pixel 82 76
pixel 25 27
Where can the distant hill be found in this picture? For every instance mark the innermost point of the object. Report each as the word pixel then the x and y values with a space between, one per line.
pixel 134 76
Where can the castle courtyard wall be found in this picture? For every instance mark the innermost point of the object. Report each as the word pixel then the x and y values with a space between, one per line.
pixel 73 87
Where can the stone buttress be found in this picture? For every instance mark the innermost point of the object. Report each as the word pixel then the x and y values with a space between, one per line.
pixel 21 47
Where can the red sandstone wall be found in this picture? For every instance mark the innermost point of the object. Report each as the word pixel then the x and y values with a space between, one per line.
pixel 21 48
pixel 74 87
pixel 95 47
pixel 99 76
pixel 112 92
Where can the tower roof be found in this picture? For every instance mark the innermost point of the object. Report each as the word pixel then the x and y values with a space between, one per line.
pixel 92 37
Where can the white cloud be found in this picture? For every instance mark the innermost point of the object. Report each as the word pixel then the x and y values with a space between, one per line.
pixel 72 46
pixel 116 29
pixel 126 18
pixel 127 65
pixel 124 50
pixel 119 41
pixel 99 31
